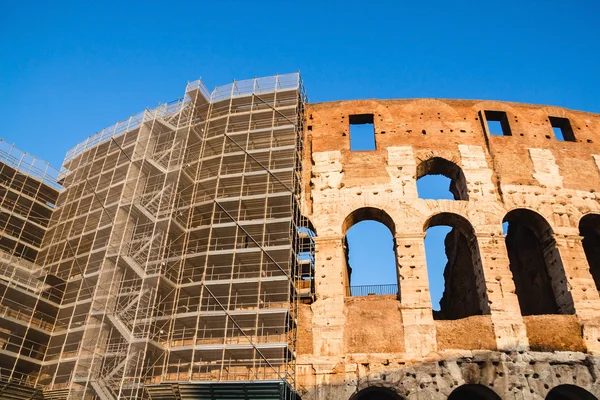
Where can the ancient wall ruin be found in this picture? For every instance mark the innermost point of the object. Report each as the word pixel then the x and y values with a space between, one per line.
pixel 521 311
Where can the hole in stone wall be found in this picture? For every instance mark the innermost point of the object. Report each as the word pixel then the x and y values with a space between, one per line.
pixel 589 228
pixel 362 132
pixel 562 129
pixel 536 265
pixel 439 179
pixel 497 123
pixel 370 253
pixel 456 282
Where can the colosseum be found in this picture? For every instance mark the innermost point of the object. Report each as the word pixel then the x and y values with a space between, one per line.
pixel 198 251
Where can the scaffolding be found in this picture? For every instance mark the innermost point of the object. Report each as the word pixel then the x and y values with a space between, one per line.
pixel 176 251
pixel 28 299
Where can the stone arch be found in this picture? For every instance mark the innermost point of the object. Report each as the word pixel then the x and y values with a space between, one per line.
pixel 309 225
pixel 368 213
pixel 473 392
pixel 449 169
pixel 376 215
pixel 465 292
pixel 538 204
pixel 543 112
pixel 536 265
pixel 589 230
pixel 492 105
pixel 354 199
pixel 376 393
pixel 449 218
pixel 564 221
pixel 569 392
pixel 430 209
pixel 577 212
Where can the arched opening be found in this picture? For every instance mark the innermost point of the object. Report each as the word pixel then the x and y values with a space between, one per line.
pixel 370 251
pixel 439 179
pixel 457 284
pixel 536 265
pixel 589 228
pixel 569 392
pixel 473 392
pixel 376 393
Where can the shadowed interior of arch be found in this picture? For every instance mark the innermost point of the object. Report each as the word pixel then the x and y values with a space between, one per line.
pixel 569 392
pixel 456 281
pixel 589 229
pixel 370 253
pixel 376 393
pixel 440 179
pixel 536 266
pixel 473 392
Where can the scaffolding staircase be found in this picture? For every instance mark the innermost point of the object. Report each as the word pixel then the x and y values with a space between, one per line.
pixel 166 158
pixel 103 390
pixel 142 253
pixel 156 202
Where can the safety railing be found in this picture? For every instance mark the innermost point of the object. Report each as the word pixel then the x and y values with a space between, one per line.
pixel 199 85
pixel 256 86
pixel 216 371
pixel 103 136
pixel 372 290
pixel 29 165
pixel 8 375
pixel 21 271
pixel 27 315
pixel 192 274
pixel 234 89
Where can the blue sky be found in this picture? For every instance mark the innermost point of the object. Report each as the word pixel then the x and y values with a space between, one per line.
pixel 68 69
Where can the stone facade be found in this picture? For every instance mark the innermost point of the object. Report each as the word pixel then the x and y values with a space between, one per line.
pixel 542 186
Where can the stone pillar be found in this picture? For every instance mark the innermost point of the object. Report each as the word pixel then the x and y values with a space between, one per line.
pixel 417 317
pixel 509 328
pixel 328 309
pixel 582 287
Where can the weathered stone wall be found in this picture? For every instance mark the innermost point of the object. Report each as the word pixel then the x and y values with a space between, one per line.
pixel 511 375
pixel 529 170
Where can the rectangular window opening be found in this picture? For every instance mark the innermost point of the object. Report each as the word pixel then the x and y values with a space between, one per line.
pixel 362 132
pixel 497 123
pixel 562 129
